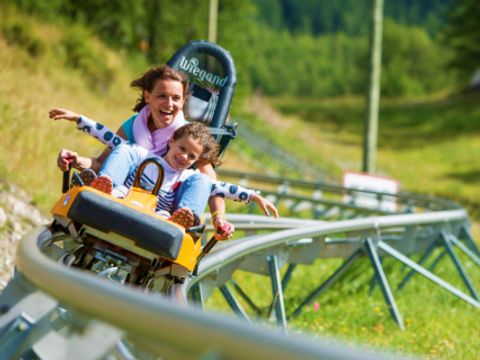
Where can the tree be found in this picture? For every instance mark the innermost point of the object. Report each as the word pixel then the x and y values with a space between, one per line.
pixel 462 35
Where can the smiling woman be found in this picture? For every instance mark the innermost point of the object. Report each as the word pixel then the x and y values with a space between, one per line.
pixel 166 100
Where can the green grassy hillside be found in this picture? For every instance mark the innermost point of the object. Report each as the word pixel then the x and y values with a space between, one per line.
pixel 31 85
pixel 430 145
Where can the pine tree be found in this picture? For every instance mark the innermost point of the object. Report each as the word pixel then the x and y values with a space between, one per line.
pixel 462 35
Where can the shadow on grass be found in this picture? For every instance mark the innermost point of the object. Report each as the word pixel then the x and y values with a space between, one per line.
pixel 402 124
pixel 468 177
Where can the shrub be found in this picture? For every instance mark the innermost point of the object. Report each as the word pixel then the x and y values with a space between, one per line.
pixel 80 54
pixel 21 34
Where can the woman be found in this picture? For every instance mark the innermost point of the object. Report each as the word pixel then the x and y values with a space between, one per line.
pixel 163 92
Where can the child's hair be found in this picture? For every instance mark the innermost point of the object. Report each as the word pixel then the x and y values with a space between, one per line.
pixel 148 80
pixel 200 132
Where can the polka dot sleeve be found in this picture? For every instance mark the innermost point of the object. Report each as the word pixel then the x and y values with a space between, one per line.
pixel 99 131
pixel 231 191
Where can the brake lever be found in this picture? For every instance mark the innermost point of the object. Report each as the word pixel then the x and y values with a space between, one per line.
pixel 66 176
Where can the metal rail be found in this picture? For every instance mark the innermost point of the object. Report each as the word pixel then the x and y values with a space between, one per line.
pixel 436 223
pixel 325 191
pixel 150 320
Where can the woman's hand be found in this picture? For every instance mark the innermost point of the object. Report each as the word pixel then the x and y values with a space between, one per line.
pixel 59 114
pixel 265 205
pixel 223 229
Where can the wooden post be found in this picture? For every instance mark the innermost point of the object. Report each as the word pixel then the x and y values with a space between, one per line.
pixel 212 21
pixel 371 128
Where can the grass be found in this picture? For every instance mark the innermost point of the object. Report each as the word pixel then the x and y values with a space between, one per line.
pixel 29 88
pixel 435 138
pixel 430 145
pixel 437 324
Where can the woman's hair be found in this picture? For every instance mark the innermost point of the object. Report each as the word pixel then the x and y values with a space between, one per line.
pixel 148 80
pixel 200 132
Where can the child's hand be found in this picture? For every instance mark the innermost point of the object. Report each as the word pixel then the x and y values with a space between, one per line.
pixel 265 205
pixel 65 158
pixel 58 114
pixel 223 229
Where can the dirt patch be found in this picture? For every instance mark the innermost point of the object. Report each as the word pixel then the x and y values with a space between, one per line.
pixel 261 108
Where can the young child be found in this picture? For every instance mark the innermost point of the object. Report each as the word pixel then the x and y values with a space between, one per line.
pixel 188 145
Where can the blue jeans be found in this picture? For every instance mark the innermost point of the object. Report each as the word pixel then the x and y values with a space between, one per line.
pixel 193 193
pixel 124 159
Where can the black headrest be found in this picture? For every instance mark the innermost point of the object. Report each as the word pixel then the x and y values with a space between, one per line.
pixel 212 76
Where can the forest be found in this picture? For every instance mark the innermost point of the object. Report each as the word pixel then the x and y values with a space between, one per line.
pixel 282 48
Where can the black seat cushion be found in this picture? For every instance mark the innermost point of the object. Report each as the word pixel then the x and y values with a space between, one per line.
pixel 148 232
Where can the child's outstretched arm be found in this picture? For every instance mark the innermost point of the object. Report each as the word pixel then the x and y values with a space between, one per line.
pixel 63 114
pixel 89 126
pixel 239 193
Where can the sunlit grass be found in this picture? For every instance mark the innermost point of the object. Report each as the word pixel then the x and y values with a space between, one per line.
pixel 31 141
pixel 437 324
pixel 430 145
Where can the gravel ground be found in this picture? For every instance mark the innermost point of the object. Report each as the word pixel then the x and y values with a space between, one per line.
pixel 17 217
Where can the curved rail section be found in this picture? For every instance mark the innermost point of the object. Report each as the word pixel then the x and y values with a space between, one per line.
pixel 398 236
pixel 45 300
pixel 152 322
pixel 411 224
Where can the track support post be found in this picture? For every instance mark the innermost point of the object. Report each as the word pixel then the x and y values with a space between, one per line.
pixel 446 238
pixel 277 291
pixel 233 302
pixel 383 282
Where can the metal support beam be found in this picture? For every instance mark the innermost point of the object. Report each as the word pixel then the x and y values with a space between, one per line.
pixel 435 262
pixel 469 239
pixel 245 297
pixel 285 282
pixel 382 281
pixel 277 291
pixel 422 260
pixel 334 277
pixel 466 250
pixel 373 281
pixel 25 316
pixel 233 302
pixel 196 296
pixel 288 275
pixel 422 271
pixel 458 265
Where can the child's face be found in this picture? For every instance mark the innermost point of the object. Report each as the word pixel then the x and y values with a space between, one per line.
pixel 183 152
pixel 166 101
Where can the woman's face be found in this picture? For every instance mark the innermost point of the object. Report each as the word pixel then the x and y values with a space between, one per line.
pixel 166 101
pixel 183 152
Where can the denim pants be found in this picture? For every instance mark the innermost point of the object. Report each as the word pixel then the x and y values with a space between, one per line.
pixel 123 161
